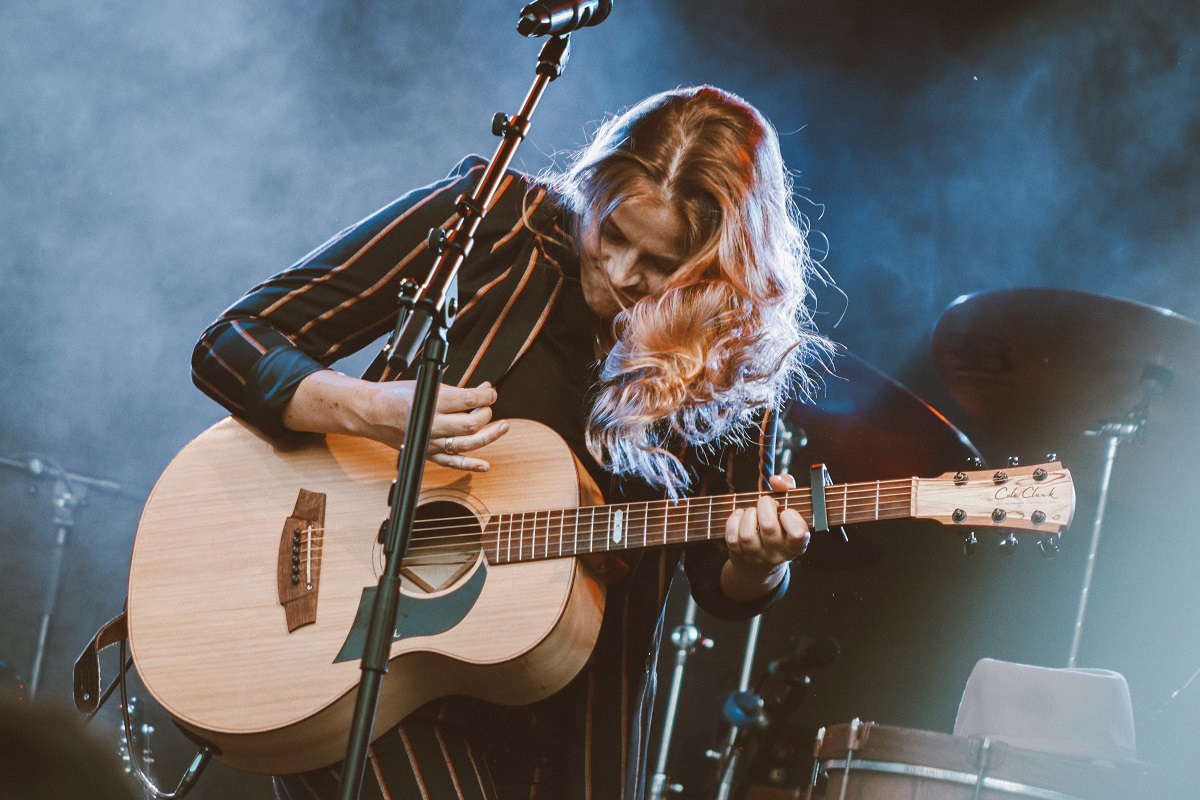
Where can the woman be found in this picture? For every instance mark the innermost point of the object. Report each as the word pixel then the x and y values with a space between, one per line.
pixel 648 305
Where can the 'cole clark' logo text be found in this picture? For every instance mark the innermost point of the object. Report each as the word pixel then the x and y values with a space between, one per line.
pixel 1025 492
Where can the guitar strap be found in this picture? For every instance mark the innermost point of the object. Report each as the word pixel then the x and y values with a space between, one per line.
pixel 509 317
pixel 87 666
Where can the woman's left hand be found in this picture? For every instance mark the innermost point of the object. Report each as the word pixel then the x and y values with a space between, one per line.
pixel 762 540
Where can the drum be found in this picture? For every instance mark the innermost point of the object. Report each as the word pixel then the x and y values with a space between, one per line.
pixel 865 761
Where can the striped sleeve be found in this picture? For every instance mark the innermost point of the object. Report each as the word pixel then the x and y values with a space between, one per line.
pixel 335 301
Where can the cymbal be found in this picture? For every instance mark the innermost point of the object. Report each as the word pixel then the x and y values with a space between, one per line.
pixel 866 426
pixel 1036 368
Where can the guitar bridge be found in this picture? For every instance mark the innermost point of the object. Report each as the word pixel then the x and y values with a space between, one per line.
pixel 299 568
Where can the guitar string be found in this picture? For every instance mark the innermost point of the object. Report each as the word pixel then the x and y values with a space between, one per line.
pixel 431 538
pixel 890 501
pixel 430 534
pixel 851 507
pixel 462 548
pixel 650 516
pixel 867 495
pixel 898 491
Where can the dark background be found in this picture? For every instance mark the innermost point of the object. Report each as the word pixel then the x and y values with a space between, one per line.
pixel 156 159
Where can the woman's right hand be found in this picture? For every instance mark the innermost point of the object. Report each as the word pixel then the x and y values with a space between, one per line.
pixel 330 402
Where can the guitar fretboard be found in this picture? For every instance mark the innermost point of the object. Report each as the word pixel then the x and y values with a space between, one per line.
pixel 558 533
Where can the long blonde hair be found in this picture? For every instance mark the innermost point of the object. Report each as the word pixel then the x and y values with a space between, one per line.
pixel 730 331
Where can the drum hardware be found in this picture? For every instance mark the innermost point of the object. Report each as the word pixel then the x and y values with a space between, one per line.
pixel 756 717
pixel 729 755
pixel 136 712
pixel 1039 365
pixel 687 640
pixel 139 768
pixel 886 763
pixel 1154 382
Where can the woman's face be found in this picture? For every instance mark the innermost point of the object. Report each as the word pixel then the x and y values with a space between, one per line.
pixel 632 255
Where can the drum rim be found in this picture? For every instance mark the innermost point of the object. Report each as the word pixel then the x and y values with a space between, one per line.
pixel 987 782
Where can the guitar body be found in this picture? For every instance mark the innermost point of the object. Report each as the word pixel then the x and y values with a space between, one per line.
pixel 210 637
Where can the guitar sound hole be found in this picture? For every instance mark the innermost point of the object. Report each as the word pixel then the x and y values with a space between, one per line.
pixel 446 542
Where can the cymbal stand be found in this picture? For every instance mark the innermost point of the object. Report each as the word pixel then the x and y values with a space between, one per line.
pixel 70 491
pixel 1155 380
pixel 686 638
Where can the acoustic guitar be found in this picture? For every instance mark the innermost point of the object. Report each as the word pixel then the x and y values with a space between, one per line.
pixel 253 565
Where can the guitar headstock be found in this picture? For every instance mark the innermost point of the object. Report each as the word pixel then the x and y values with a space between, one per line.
pixel 1038 498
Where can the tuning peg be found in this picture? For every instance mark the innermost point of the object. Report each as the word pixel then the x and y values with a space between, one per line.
pixel 1051 457
pixel 1008 545
pixel 969 543
pixel 975 462
pixel 1014 461
pixel 1049 546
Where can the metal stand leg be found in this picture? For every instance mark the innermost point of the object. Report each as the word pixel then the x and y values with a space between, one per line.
pixel 729 767
pixel 65 502
pixel 686 639
pixel 1109 458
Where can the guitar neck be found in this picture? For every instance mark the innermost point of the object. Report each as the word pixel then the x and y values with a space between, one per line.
pixel 534 535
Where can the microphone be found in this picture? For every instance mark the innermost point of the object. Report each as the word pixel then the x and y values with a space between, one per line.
pixel 556 17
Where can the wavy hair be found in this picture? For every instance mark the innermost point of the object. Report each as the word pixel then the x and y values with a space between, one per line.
pixel 730 331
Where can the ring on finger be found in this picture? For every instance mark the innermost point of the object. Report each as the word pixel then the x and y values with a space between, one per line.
pixel 448 445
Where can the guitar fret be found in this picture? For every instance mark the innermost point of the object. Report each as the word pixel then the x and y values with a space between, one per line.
pixel 508 551
pixel 546 546
pixel 876 499
pixel 521 541
pixel 533 535
pixel 639 524
pixel 592 531
pixel 575 540
pixel 666 518
pixel 592 545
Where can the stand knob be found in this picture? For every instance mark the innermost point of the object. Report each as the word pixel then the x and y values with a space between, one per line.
pixel 744 709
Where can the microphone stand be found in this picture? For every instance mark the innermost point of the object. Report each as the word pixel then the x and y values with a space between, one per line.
pixel 424 322
pixel 70 492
